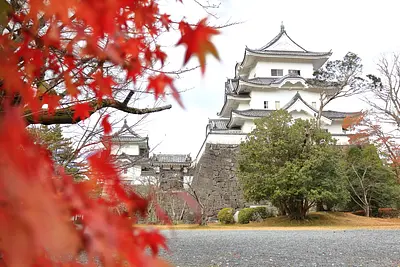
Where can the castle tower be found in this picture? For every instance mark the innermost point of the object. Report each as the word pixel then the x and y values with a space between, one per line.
pixel 268 78
pixel 132 153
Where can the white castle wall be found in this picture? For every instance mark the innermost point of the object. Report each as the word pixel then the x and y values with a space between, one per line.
pixel 130 149
pixel 263 68
pixel 282 95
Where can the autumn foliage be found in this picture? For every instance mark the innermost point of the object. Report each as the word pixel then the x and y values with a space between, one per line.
pixel 57 39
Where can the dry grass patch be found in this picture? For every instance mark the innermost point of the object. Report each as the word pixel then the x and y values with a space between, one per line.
pixel 315 221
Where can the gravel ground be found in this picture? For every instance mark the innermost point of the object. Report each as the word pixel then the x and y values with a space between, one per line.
pixel 202 248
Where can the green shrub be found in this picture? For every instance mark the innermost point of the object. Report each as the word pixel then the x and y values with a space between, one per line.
pixel 225 216
pixel 246 215
pixel 262 212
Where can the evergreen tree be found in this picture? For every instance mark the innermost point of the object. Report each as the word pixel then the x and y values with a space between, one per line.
pixel 291 163
pixel 61 147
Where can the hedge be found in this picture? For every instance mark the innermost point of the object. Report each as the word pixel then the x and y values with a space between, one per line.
pixel 225 216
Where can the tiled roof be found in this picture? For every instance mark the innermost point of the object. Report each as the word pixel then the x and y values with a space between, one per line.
pixel 260 80
pixel 253 112
pixel 126 131
pixel 171 158
pixel 331 114
pixel 290 53
pixel 276 39
pixel 269 80
pixel 129 139
pixel 302 52
pixel 231 85
pixel 218 124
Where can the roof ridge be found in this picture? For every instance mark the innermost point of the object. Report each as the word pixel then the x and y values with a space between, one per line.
pixel 277 37
pixel 125 128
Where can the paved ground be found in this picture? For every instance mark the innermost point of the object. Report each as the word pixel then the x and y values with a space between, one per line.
pixel 202 248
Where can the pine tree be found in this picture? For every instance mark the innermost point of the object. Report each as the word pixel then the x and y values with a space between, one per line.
pixel 61 147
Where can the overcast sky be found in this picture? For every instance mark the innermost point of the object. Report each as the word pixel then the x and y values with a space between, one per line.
pixel 368 28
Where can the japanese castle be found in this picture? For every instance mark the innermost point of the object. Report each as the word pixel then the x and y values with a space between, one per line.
pixel 269 78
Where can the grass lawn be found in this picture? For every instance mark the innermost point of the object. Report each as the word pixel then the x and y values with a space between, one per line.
pixel 315 221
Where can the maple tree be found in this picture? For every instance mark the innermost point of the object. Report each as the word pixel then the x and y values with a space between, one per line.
pixel 380 124
pixel 58 65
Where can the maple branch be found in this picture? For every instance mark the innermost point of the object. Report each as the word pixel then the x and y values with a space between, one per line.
pixel 65 115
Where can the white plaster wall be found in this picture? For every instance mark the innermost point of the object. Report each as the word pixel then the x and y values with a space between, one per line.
pixel 248 126
pixel 132 173
pixel 263 68
pixel 335 127
pixel 132 149
pixel 300 115
pixel 342 140
pixel 229 139
pixel 243 106
pixel 283 95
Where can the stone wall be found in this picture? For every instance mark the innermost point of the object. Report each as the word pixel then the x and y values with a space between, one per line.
pixel 171 180
pixel 215 180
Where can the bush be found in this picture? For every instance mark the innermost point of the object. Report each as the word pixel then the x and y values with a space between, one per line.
pixel 225 216
pixel 388 213
pixel 262 212
pixel 246 215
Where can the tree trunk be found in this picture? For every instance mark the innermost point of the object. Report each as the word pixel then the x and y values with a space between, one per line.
pixel 283 210
pixel 367 210
pixel 320 206
pixel 203 218
pixel 298 210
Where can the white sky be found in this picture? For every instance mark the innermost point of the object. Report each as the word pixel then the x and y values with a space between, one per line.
pixel 367 28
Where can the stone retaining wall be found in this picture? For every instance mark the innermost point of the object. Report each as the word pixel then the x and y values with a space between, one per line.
pixel 215 180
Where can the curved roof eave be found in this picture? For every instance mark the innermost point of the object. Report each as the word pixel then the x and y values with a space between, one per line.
pixel 278 53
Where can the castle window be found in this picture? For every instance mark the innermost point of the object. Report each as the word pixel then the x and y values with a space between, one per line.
pixel 276 72
pixel 294 72
pixel 277 104
pixel 265 104
pixel 314 104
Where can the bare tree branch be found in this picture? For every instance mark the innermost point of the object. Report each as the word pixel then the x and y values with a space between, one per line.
pixel 65 115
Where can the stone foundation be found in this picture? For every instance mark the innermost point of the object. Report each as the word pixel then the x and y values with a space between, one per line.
pixel 215 180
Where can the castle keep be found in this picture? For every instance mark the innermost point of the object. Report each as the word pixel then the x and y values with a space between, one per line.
pixel 268 78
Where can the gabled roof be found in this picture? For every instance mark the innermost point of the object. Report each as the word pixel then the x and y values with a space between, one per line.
pixel 330 114
pixel 296 97
pixel 327 115
pixel 279 40
pixel 126 134
pixel 282 44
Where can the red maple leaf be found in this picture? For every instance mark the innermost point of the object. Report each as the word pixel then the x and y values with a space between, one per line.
pixel 160 55
pixel 105 124
pixel 165 21
pixel 81 110
pixel 52 102
pixel 197 42
pixel 158 84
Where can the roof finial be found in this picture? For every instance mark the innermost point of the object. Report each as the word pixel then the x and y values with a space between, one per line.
pixel 125 122
pixel 282 27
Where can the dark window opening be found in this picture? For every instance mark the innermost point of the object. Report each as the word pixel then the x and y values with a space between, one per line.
pixel 276 72
pixel 294 72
